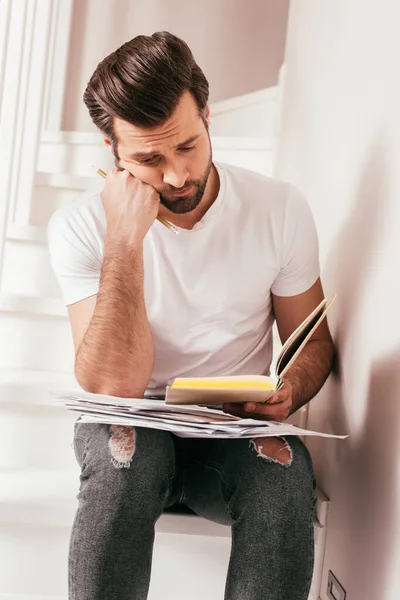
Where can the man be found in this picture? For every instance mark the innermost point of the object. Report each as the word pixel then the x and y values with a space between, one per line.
pixel 147 305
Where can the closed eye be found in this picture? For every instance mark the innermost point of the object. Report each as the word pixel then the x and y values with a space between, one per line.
pixel 152 160
pixel 187 148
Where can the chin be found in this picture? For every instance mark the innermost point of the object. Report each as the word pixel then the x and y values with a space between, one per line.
pixel 181 206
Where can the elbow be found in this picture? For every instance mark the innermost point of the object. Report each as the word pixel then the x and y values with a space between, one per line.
pixel 110 387
pixel 116 389
pixel 122 380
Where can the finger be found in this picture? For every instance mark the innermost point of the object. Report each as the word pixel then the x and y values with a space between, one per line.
pixel 266 412
pixel 267 409
pixel 235 409
pixel 277 398
pixel 122 166
pixel 280 396
pixel 271 411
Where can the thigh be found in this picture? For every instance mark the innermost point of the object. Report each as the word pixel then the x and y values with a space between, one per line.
pixel 224 476
pixel 127 458
pixel 204 486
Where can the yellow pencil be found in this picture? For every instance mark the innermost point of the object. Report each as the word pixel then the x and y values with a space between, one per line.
pixel 170 226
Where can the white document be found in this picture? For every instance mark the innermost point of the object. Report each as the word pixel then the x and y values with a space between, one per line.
pixel 182 420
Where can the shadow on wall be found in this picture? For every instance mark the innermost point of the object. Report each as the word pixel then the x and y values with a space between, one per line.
pixel 360 474
pixel 347 272
pixel 352 256
pixel 370 496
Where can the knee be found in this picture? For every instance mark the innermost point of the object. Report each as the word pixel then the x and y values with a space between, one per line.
pixel 122 445
pixel 122 462
pixel 273 449
pixel 97 445
pixel 116 450
pixel 290 481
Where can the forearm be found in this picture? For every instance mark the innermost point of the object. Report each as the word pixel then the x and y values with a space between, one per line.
pixel 310 371
pixel 116 355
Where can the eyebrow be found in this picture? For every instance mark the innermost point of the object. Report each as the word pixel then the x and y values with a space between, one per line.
pixel 144 155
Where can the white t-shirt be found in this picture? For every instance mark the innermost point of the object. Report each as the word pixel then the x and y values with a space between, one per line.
pixel 207 290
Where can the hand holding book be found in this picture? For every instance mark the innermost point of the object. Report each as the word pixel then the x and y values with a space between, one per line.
pixel 251 388
pixel 202 421
pixel 278 407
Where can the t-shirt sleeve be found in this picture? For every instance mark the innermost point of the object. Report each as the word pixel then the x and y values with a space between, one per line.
pixel 75 259
pixel 299 249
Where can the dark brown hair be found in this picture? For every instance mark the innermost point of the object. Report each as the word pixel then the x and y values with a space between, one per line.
pixel 142 83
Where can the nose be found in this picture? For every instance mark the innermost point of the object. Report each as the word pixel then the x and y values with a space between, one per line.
pixel 175 175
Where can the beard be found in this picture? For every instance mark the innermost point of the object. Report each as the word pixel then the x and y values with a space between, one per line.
pixel 187 203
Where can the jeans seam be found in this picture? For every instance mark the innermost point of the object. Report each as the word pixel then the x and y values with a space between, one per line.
pixel 168 486
pixel 171 474
pixel 218 468
pixel 182 496
pixel 311 561
pixel 84 442
pixel 313 511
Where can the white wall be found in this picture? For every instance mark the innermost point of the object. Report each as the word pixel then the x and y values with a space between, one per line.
pixel 340 143
pixel 238 45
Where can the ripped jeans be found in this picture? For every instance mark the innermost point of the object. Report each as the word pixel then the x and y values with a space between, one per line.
pixel 129 476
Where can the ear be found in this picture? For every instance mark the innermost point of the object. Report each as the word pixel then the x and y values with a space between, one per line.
pixel 107 142
pixel 208 114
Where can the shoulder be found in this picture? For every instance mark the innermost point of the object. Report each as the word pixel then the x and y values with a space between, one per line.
pixel 241 178
pixel 266 194
pixel 80 221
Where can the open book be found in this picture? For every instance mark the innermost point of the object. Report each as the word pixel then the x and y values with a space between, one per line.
pixel 247 388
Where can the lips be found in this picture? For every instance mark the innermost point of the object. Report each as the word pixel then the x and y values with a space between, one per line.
pixel 184 192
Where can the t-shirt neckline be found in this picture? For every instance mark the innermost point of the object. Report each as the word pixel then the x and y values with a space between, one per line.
pixel 215 206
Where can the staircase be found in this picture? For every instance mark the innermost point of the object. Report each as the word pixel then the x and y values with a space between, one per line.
pixel 43 168
pixel 38 472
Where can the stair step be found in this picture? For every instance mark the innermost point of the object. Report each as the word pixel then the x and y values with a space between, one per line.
pixel 31 492
pixel 30 597
pixel 37 511
pixel 245 101
pixel 35 558
pixel 18 379
pixel 68 181
pixel 27 233
pixel 32 387
pixel 49 497
pixel 36 334
pixel 49 307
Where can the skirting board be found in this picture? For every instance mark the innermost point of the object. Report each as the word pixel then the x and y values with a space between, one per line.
pixel 16 597
pixel 19 597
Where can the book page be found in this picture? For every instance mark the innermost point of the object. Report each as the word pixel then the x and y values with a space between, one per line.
pixel 184 421
pixel 217 396
pixel 296 342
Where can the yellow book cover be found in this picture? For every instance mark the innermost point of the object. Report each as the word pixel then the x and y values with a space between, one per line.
pixel 247 388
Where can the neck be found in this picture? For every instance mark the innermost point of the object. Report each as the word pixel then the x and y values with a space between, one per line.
pixel 189 220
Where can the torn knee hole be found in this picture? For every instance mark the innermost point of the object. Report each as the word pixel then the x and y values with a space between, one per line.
pixel 273 449
pixel 122 445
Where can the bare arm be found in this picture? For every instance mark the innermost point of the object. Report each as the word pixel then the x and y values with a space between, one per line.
pixel 116 354
pixel 112 335
pixel 310 370
pixel 312 367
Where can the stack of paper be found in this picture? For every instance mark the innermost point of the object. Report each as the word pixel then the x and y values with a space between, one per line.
pixel 184 421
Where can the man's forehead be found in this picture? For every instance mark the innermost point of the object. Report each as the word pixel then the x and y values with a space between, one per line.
pixel 183 123
pixel 145 136
pixel 132 142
